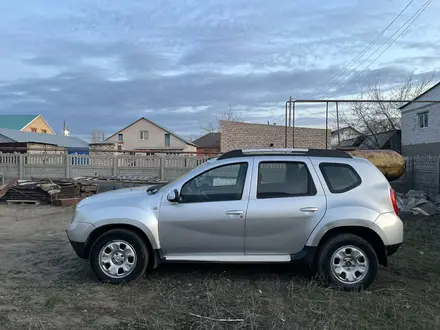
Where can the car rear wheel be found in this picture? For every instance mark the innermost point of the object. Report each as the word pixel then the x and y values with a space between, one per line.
pixel 348 261
pixel 119 256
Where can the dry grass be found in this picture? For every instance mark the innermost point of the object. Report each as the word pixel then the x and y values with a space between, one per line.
pixel 44 286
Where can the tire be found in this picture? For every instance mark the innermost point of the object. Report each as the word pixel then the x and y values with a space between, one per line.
pixel 356 254
pixel 119 256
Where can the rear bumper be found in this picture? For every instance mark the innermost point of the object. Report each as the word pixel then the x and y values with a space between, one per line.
pixel 390 229
pixel 391 249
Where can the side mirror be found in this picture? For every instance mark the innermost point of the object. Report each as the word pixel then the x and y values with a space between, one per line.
pixel 173 196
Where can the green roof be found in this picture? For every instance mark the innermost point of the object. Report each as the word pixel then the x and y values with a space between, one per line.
pixel 16 122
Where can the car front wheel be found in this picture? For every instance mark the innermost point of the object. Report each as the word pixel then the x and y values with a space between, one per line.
pixel 348 261
pixel 118 256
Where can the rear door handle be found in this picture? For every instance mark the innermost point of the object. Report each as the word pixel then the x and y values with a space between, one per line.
pixel 309 209
pixel 235 213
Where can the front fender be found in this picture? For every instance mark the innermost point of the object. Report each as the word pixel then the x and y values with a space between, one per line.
pixel 144 219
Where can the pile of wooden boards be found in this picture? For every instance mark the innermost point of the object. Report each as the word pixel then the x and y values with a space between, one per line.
pixel 65 192
pixel 5 187
pixel 26 193
pixel 46 191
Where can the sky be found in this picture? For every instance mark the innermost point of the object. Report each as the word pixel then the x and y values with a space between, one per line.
pixel 104 64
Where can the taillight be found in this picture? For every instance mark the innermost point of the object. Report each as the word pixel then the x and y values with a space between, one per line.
pixel 394 201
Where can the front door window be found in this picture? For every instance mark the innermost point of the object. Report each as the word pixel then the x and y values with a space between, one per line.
pixel 224 183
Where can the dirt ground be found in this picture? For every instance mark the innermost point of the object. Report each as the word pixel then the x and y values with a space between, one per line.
pixel 44 285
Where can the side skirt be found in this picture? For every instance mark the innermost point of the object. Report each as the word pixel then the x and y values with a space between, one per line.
pixel 306 255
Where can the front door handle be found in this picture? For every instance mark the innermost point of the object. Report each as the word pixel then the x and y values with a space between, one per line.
pixel 309 210
pixel 235 213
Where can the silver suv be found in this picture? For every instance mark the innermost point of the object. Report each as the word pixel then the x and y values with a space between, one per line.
pixel 322 207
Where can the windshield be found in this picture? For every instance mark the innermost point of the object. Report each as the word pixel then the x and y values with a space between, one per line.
pixel 156 188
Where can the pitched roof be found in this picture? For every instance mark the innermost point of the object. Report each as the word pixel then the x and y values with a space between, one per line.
pixel 378 140
pixel 210 140
pixel 353 142
pixel 428 90
pixel 156 124
pixel 343 129
pixel 16 122
pixel 59 140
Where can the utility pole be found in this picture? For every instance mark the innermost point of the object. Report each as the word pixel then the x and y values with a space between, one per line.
pixel 66 130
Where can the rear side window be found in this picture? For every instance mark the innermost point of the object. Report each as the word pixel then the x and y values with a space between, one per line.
pixel 284 179
pixel 340 177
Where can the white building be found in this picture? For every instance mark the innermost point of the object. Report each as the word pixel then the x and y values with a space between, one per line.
pixel 146 136
pixel 421 124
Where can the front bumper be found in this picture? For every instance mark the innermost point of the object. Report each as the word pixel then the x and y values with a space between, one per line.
pixel 77 233
pixel 80 249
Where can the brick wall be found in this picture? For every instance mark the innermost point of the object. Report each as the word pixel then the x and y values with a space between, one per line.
pixel 236 135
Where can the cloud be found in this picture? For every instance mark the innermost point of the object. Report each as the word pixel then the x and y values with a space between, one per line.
pixel 181 63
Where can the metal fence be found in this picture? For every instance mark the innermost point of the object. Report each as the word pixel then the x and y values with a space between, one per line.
pixel 422 173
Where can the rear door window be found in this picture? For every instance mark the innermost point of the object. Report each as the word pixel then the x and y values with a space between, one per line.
pixel 340 178
pixel 284 179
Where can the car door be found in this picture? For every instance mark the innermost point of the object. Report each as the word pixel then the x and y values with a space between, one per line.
pixel 210 215
pixel 286 203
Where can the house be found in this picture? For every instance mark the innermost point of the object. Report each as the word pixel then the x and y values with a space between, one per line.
pixel 239 135
pixel 344 134
pixel 29 142
pixel 145 136
pixel 390 140
pixel 421 124
pixel 208 144
pixel 26 123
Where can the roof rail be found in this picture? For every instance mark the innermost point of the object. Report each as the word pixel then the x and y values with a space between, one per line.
pixel 285 152
pixel 274 150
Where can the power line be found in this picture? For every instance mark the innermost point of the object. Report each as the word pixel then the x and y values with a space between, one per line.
pixel 411 21
pixel 349 65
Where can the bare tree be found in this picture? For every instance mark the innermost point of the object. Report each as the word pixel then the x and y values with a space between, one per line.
pixel 213 126
pixel 192 137
pixel 373 118
pixel 97 135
